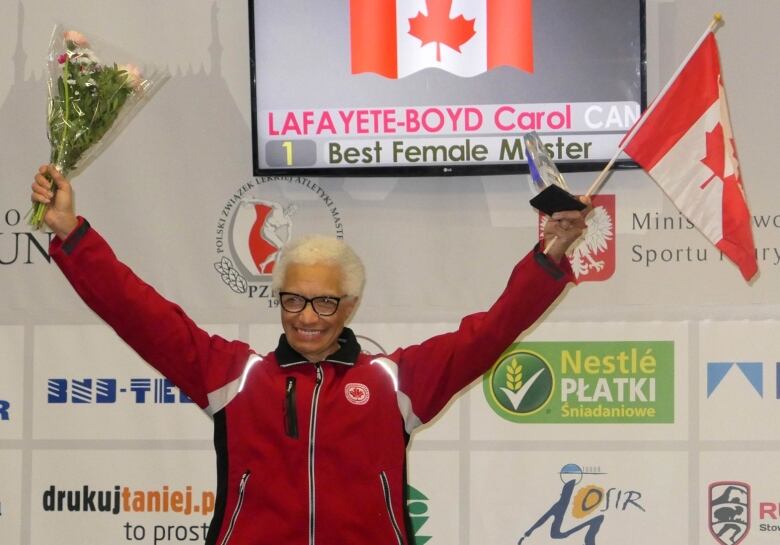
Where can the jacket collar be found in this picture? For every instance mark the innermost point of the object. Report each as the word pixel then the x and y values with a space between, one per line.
pixel 347 354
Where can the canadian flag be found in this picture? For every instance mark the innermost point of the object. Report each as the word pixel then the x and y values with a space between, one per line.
pixel 685 143
pixel 396 38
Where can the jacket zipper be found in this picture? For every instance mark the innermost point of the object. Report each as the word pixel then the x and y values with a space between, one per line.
pixel 290 410
pixel 239 503
pixel 389 507
pixel 312 429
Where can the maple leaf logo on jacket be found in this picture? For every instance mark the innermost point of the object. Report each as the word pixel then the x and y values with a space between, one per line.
pixel 356 393
pixel 396 38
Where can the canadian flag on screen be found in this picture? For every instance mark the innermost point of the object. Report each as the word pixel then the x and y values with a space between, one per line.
pixel 686 145
pixel 395 38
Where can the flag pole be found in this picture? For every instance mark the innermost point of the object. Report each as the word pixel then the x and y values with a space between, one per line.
pixel 715 24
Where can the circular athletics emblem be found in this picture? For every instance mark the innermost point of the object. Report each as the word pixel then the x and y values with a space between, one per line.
pixel 259 219
pixel 357 393
pixel 519 385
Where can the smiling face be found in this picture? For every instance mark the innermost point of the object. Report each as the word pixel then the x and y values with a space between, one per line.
pixel 313 336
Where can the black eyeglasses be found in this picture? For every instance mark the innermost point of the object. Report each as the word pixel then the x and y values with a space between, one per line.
pixel 324 305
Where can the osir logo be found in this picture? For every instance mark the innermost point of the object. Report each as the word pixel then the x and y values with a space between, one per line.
pixel 259 219
pixel 520 383
pixel 585 501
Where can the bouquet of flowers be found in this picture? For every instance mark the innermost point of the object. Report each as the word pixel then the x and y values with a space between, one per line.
pixel 88 102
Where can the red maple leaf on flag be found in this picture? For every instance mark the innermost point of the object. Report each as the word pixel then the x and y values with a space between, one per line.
pixel 438 27
pixel 715 159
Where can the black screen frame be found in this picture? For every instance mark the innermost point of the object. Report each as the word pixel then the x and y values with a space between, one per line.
pixel 470 169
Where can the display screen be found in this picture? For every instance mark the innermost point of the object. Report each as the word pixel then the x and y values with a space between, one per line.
pixel 442 87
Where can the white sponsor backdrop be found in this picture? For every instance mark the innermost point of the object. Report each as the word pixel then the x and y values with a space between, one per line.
pixel 435 248
pixel 742 405
pixel 10 495
pixel 762 520
pixel 485 426
pixel 11 381
pixel 438 476
pixel 104 390
pixel 110 494
pixel 640 495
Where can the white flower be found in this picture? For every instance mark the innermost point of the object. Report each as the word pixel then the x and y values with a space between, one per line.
pixel 78 39
pixel 134 76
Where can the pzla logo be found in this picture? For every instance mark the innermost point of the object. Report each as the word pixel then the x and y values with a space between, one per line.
pixel 258 232
pixel 256 223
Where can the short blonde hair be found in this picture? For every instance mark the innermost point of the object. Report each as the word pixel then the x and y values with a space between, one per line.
pixel 312 249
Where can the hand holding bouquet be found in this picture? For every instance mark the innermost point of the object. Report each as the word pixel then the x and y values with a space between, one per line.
pixel 88 103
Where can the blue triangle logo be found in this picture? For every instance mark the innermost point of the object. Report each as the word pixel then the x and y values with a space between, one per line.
pixel 754 372
pixel 715 373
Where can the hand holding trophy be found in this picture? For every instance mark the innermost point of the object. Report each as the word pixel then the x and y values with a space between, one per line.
pixel 553 192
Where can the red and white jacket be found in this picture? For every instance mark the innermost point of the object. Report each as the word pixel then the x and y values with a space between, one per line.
pixel 307 453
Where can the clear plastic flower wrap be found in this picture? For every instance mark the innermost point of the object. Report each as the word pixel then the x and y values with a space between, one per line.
pixel 90 100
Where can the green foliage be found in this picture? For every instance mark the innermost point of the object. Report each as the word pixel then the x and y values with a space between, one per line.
pixel 87 104
pixel 83 107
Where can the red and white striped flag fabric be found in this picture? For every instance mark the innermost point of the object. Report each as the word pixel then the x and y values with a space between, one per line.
pixel 686 145
pixel 396 38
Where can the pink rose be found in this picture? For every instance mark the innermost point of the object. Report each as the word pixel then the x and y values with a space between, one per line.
pixel 134 76
pixel 78 39
pixel 62 58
